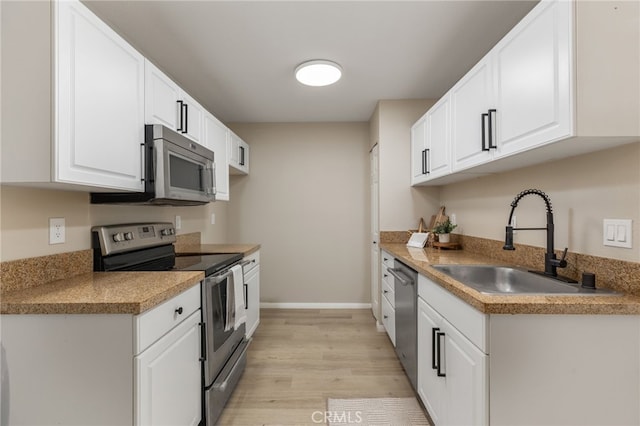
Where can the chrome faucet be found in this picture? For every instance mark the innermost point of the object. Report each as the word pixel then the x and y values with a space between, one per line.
pixel 551 263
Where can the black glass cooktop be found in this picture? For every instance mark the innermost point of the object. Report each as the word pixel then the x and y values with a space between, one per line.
pixel 209 263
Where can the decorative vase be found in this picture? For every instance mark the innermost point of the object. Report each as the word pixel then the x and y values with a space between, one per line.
pixel 444 238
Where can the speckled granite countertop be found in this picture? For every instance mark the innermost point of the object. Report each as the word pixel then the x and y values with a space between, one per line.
pixel 100 293
pixel 245 249
pixel 422 260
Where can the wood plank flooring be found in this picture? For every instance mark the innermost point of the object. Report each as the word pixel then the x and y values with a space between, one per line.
pixel 299 358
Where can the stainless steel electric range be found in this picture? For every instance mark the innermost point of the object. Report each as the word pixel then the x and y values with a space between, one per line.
pixel 149 247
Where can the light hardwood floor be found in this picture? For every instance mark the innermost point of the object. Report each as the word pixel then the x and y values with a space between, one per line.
pixel 299 358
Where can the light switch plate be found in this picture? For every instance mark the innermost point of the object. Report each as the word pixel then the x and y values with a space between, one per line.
pixel 617 233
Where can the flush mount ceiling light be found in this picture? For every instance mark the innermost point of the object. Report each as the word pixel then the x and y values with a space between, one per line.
pixel 318 73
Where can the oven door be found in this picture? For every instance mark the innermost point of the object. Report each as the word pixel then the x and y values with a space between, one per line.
pixel 182 174
pixel 218 344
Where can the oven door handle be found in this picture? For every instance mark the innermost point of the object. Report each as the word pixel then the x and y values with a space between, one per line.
pixel 217 279
pixel 221 386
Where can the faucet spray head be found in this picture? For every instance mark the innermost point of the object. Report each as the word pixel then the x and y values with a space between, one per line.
pixel 508 239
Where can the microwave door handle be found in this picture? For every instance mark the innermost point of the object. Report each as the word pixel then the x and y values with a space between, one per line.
pixel 210 191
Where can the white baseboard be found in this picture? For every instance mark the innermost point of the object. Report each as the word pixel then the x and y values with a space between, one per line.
pixel 268 305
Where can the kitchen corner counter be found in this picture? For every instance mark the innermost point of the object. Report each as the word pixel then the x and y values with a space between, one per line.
pixel 422 260
pixel 244 249
pixel 100 293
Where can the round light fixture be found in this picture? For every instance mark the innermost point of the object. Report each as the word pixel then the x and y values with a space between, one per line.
pixel 318 72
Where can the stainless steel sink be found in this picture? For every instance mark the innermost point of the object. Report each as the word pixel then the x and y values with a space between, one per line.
pixel 505 280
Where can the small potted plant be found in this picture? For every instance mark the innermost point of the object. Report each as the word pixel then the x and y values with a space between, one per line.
pixel 443 229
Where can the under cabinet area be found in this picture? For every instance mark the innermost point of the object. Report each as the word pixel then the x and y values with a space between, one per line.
pixel 524 369
pixel 97 369
pixel 73 99
pixel 545 91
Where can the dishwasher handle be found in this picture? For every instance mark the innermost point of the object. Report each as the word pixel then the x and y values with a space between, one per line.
pixel 400 276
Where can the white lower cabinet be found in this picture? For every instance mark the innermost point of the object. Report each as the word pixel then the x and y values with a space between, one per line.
pixel 168 378
pixel 452 371
pixel 525 369
pixel 104 369
pixel 388 299
pixel 251 273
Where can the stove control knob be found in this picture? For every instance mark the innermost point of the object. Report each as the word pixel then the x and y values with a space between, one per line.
pixel 128 236
pixel 166 232
pixel 118 237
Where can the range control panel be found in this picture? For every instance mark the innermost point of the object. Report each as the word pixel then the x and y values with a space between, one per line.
pixel 122 238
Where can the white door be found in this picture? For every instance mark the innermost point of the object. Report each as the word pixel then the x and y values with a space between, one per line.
pixel 431 388
pixel 438 139
pixel 418 151
pixel 466 379
pixel 192 118
pixel 215 138
pixel 252 286
pixel 470 99
pixel 99 96
pixel 533 79
pixel 161 98
pixel 168 378
pixel 375 233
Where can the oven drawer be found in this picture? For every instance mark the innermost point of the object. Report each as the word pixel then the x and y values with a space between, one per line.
pixel 155 323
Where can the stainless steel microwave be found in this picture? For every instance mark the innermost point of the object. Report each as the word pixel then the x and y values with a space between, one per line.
pixel 178 172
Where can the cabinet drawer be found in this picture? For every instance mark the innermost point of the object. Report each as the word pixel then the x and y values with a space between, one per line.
pixel 387 259
pixel 155 323
pixel 389 320
pixel 388 293
pixel 466 319
pixel 254 258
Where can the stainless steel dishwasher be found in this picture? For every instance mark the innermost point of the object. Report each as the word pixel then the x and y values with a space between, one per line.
pixel 406 294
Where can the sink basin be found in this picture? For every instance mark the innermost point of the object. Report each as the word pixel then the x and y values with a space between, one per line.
pixel 505 280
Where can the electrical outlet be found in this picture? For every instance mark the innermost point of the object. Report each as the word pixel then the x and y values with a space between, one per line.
pixel 453 219
pixel 56 230
pixel 513 223
pixel 213 218
pixel 178 222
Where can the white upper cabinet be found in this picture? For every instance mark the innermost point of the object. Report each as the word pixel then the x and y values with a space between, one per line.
pixel 564 81
pixel 533 94
pixel 431 144
pixel 78 121
pixel 471 99
pixel 238 155
pixel 167 104
pixel 216 137
pixel 99 94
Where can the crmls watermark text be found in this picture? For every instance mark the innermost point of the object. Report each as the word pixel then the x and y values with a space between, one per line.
pixel 348 417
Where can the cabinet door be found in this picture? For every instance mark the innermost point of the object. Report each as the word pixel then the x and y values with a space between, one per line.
pixel 466 379
pixel 161 98
pixel 438 139
pixel 192 118
pixel 431 388
pixel 418 152
pixel 215 138
pixel 470 98
pixel 168 378
pixel 238 155
pixel 99 96
pixel 388 319
pixel 252 300
pixel 533 80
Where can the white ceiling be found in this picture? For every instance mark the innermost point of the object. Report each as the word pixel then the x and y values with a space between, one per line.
pixel 237 57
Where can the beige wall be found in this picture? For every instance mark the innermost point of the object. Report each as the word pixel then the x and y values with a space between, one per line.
pixel 584 190
pixel 25 213
pixel 401 206
pixel 306 202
